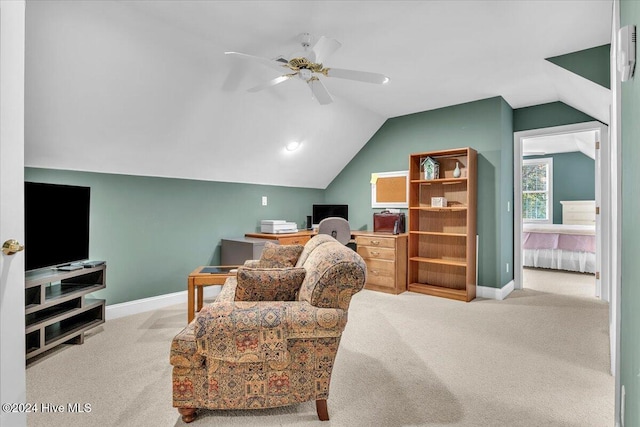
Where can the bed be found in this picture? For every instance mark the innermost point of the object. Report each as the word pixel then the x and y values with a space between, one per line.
pixel 568 246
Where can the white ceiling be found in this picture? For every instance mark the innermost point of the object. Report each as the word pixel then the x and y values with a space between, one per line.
pixel 144 87
pixel 584 141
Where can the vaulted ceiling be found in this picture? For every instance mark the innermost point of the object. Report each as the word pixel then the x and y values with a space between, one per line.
pixel 144 87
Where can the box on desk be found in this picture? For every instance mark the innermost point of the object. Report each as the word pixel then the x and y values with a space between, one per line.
pixel 439 202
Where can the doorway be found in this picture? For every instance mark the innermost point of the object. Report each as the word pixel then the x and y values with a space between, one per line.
pixel 584 137
pixel 559 213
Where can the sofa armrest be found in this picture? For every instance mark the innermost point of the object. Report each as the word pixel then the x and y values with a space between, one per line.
pixel 258 331
pixel 184 352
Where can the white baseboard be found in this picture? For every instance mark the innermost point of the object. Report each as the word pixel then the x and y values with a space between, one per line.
pixel 495 293
pixel 115 311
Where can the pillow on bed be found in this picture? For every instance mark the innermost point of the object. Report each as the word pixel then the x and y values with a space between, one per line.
pixel 279 256
pixel 268 284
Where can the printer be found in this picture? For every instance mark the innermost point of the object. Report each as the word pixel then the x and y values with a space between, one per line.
pixel 278 226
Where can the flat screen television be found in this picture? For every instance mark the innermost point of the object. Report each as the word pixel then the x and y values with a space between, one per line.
pixel 56 220
pixel 321 212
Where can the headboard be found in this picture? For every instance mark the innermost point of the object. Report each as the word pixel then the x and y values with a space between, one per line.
pixel 581 212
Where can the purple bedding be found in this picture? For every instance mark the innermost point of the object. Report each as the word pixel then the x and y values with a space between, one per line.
pixel 561 238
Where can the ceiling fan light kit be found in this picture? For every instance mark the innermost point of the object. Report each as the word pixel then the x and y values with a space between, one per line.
pixel 307 65
pixel 292 146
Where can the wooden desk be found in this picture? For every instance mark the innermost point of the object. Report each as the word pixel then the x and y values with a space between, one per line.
pixel 198 280
pixel 385 255
pixel 299 238
pixel 302 237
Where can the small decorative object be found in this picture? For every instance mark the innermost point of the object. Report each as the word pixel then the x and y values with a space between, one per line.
pixel 431 168
pixel 438 202
pixel 456 171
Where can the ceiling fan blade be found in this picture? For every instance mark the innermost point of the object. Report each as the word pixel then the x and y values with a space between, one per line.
pixel 278 63
pixel 320 92
pixel 324 48
pixel 270 83
pixel 361 76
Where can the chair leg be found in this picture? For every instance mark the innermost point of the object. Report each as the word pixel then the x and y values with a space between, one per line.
pixel 188 414
pixel 321 408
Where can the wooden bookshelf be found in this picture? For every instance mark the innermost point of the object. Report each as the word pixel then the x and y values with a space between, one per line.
pixel 442 239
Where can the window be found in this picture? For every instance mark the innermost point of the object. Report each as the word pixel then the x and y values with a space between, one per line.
pixel 537 194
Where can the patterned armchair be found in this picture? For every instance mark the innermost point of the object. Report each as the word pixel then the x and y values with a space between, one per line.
pixel 271 336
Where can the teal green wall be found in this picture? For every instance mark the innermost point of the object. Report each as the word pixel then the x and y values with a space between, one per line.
pixel 154 231
pixel 574 178
pixel 505 205
pixel 547 115
pixel 630 292
pixel 592 64
pixel 483 125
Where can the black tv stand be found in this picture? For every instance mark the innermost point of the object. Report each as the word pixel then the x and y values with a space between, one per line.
pixel 57 310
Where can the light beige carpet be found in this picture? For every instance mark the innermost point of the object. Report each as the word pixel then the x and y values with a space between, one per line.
pixel 560 282
pixel 534 359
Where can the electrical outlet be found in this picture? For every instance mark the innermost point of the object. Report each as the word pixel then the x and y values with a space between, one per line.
pixel 264 200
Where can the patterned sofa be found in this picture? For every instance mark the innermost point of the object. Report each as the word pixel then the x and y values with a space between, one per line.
pixel 260 353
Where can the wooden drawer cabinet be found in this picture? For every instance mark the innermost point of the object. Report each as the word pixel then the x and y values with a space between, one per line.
pixel 381 272
pixel 369 252
pixel 386 259
pixel 377 241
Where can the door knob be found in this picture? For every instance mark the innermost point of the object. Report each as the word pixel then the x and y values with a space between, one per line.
pixel 11 246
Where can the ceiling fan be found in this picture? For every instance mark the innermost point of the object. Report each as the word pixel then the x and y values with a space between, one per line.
pixel 307 65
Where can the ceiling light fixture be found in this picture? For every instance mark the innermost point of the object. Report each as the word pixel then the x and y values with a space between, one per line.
pixel 292 146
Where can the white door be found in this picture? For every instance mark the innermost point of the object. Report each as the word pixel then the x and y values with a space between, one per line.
pixel 598 188
pixel 12 340
pixel 604 211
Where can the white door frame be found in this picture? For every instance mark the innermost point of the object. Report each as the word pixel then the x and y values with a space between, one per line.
pixel 12 339
pixel 616 213
pixel 602 176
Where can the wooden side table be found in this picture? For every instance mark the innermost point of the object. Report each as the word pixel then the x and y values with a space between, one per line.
pixel 201 277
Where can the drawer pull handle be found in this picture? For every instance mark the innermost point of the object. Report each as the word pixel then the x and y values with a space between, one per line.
pixel 375 253
pixel 375 242
pixel 374 272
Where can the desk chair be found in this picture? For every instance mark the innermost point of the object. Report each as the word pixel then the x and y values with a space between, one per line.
pixel 336 227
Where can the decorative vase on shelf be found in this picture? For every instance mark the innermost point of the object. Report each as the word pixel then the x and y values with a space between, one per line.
pixel 456 171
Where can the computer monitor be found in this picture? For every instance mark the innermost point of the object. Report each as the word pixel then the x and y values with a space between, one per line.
pixel 321 212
